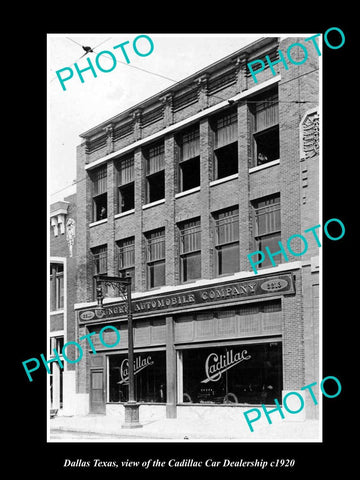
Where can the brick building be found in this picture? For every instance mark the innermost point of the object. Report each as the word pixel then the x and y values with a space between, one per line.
pixel 178 191
pixel 62 297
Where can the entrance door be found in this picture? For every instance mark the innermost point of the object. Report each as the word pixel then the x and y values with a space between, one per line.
pixel 97 393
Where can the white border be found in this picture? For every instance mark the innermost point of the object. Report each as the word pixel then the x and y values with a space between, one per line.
pixel 149 139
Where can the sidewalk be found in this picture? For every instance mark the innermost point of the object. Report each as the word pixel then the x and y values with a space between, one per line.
pixel 185 430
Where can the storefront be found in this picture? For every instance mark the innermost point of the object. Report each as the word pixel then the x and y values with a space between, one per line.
pixel 228 344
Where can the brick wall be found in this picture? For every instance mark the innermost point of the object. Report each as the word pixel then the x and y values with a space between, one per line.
pixel 298 92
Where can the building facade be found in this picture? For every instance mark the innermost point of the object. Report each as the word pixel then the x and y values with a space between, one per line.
pixel 178 191
pixel 62 297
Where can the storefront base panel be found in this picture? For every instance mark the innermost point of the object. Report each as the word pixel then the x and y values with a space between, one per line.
pixel 293 404
pixel 234 413
pixel 69 393
pixel 79 405
pixel 147 413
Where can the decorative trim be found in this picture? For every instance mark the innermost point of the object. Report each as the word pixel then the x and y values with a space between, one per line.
pixel 70 234
pixel 310 134
pixel 183 123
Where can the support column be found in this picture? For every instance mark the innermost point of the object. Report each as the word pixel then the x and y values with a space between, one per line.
pixel 56 386
pixel 170 369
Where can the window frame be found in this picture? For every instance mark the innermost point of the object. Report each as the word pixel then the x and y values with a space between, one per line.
pixel 124 185
pixel 227 119
pixel 219 246
pixel 189 137
pixel 273 208
pixel 150 239
pixel 124 269
pixel 151 174
pixel 185 228
pixel 254 103
pixel 96 253
pixel 99 193
pixel 57 289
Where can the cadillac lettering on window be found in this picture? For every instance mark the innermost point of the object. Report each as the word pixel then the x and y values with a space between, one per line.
pixel 139 364
pixel 216 365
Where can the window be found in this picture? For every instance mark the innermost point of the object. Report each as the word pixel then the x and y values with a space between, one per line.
pixel 125 174
pixel 227 241
pixel 56 286
pixel 99 178
pixel 56 343
pixel 267 226
pixel 99 256
pixel 264 110
pixel 190 250
pixel 126 259
pixel 149 376
pixel 155 258
pixel 189 162
pixel 155 173
pixel 226 147
pixel 244 374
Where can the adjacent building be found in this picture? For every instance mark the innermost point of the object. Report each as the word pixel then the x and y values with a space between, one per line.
pixel 62 297
pixel 177 191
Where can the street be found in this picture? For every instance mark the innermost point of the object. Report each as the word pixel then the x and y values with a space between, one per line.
pixel 65 435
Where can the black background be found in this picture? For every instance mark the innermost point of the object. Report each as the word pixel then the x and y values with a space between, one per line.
pixel 25 330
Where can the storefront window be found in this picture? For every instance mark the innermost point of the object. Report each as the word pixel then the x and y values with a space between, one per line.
pixel 149 374
pixel 244 374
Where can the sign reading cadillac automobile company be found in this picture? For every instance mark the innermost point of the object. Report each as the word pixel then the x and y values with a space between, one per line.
pixel 197 297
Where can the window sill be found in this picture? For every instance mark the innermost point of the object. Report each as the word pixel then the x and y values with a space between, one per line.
pixel 266 165
pixel 225 179
pixel 98 222
pixel 123 214
pixel 153 204
pixel 187 192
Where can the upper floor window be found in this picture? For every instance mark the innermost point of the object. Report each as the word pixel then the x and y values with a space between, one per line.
pixel 267 226
pixel 99 263
pixel 125 182
pixel 56 286
pixel 189 159
pixel 155 173
pixel 226 146
pixel 190 250
pixel 99 193
pixel 126 258
pixel 155 258
pixel 264 114
pixel 227 241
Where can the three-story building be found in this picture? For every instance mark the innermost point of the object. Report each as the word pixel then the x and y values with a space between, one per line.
pixel 178 191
